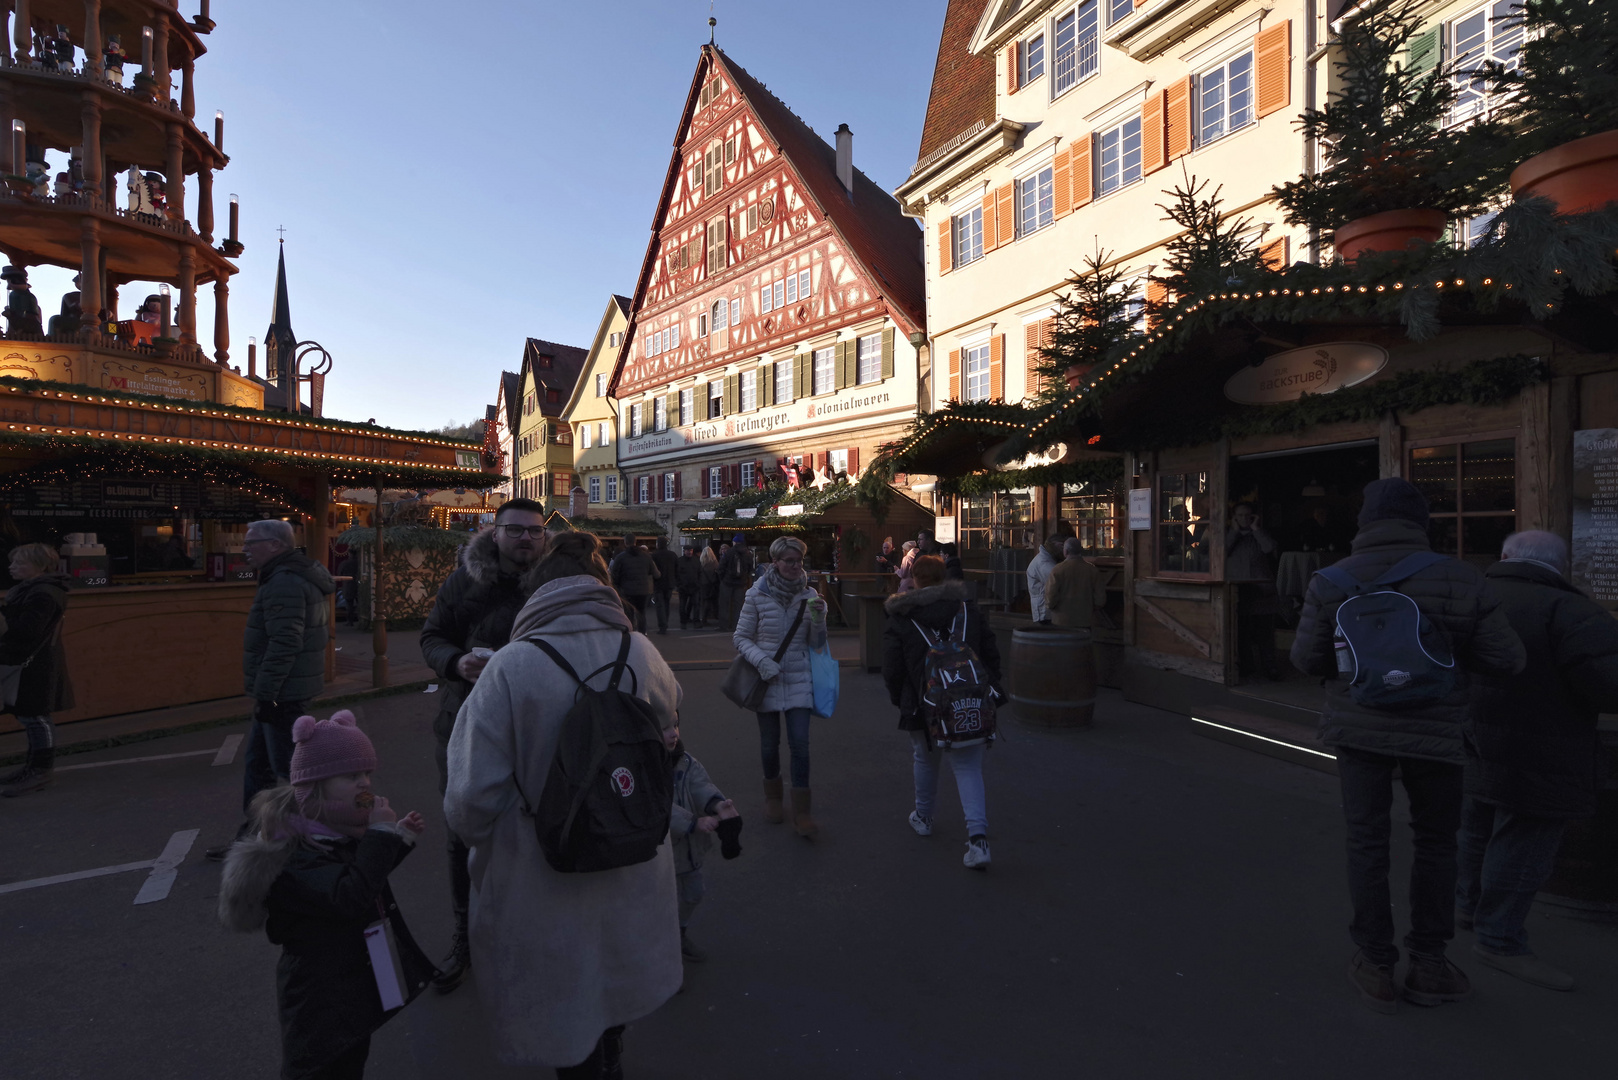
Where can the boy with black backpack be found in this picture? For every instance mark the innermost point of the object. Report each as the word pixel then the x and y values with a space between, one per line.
pixel 1399 627
pixel 735 578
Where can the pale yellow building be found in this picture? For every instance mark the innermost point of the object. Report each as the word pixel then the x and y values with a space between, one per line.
pixel 592 415
pixel 544 440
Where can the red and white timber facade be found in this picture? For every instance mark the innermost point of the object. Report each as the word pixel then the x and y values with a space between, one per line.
pixel 777 312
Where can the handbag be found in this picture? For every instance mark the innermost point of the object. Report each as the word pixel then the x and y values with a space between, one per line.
pixel 743 684
pixel 828 678
pixel 11 674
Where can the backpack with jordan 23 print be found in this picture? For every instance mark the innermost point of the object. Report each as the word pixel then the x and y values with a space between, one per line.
pixel 957 700
pixel 609 793
pixel 1398 657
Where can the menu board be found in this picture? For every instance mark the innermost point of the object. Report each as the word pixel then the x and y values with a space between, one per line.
pixel 141 498
pixel 1595 513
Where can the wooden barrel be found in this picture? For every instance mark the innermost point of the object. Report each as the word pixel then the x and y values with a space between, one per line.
pixel 1053 676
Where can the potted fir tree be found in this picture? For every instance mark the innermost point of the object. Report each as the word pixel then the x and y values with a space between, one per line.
pixel 1393 175
pixel 1092 322
pixel 1562 103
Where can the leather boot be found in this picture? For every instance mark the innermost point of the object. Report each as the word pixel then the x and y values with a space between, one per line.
pixel 773 812
pixel 454 969
pixel 800 813
pixel 35 775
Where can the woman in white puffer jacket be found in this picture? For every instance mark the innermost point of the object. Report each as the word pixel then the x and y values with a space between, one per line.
pixel 767 613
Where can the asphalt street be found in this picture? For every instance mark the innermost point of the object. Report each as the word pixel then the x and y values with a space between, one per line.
pixel 1160 905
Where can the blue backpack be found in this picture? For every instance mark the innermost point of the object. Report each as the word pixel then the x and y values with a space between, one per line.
pixel 1399 658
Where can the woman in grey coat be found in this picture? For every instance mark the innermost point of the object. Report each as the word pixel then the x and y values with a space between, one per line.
pixel 768 612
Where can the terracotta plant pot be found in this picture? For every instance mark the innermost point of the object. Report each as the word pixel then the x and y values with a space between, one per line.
pixel 1391 230
pixel 1577 176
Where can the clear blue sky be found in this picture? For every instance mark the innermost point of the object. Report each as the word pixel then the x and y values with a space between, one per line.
pixel 455 177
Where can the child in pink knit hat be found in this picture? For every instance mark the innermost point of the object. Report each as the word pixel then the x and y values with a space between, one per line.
pixel 314 875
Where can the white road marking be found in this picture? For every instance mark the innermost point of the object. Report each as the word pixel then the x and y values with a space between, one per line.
pixel 133 760
pixel 167 867
pixel 227 752
pixel 57 879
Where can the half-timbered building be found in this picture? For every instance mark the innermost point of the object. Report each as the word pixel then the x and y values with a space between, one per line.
pixel 779 314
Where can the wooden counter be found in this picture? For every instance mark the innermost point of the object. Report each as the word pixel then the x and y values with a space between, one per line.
pixel 136 647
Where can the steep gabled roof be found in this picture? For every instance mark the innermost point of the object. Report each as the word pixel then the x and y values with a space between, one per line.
pixel 507 399
pixel 598 347
pixel 963 90
pixel 563 374
pixel 871 222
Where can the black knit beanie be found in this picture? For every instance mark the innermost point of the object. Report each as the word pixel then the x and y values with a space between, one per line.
pixel 1392 497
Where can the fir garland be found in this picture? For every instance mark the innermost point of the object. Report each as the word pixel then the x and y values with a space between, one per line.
pixel 78 457
pixel 1105 473
pixel 603 526
pixel 776 493
pixel 405 538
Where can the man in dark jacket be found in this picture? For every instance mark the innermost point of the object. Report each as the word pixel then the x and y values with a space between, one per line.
pixel 667 564
pixel 1531 751
pixel 283 653
pixel 688 579
pixel 31 637
pixel 470 620
pixel 1422 743
pixel 938 604
pixel 735 578
pixel 635 575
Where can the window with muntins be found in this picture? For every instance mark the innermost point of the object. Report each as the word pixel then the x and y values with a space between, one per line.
pixel 1036 202
pixel 595 489
pixel 668 487
pixel 968 231
pixel 1183 506
pixel 824 376
pixel 602 434
pixel 1118 156
pixel 1078 47
pixel 868 366
pixel 784 388
pixel 1471 490
pixel 716 399
pixel 976 384
pixel 1488 33
pixel 612 488
pixel 748 474
pixel 584 437
pixel 1031 60
pixel 1225 98
pixel 837 461
pixel 686 396
pixel 645 489
pixel 716 481
pixel 749 390
pixel 634 420
pixel 721 314
pixel 660 414
pixel 1119 10
pixel 736 311
pixel 766 300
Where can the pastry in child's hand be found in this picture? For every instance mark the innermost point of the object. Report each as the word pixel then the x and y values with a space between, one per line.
pixel 365 800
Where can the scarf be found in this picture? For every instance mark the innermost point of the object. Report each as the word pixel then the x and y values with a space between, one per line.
pixel 577 595
pixel 781 590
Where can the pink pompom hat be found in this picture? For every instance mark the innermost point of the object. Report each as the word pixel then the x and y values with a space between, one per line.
pixel 327 748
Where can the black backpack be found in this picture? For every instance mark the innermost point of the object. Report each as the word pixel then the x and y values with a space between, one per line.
pixel 609 792
pixel 741 566
pixel 1400 658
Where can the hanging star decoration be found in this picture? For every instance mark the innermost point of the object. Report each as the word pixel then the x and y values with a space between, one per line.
pixel 822 480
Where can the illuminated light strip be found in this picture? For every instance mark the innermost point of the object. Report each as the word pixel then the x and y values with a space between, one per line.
pixel 1263 738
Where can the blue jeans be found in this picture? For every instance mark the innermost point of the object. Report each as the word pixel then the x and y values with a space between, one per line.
pixel 1505 858
pixel 1434 788
pixel 39 730
pixel 268 760
pixel 769 740
pixel 967 764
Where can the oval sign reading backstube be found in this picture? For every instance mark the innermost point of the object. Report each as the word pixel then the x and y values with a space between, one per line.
pixel 1314 369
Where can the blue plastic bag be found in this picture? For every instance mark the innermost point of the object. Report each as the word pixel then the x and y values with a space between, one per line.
pixel 826 673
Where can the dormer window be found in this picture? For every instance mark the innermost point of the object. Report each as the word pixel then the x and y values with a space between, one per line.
pixel 710 92
pixel 545 362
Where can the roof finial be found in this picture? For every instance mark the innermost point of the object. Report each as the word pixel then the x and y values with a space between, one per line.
pixel 712 22
pixel 282 230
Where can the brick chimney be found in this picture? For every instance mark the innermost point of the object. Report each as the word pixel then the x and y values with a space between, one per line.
pixel 845 158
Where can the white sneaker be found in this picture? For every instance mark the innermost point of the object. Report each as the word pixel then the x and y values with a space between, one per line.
pixel 977 853
pixel 923 826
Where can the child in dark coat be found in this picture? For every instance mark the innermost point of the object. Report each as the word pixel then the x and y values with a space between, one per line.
pixel 700 811
pixel 314 875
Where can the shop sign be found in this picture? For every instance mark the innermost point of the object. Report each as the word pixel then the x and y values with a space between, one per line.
pixel 1315 369
pixel 706 515
pixel 747 512
pixel 789 511
pixel 1140 509
pixel 850 403
pixel 944 529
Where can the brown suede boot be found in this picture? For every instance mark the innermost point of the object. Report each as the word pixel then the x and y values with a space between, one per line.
pixel 800 813
pixel 773 812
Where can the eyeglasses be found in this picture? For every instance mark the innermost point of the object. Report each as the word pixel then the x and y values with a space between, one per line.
pixel 517 532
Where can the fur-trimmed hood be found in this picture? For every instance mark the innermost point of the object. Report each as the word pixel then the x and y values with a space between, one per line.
pixel 906 604
pixel 251 868
pixel 481 559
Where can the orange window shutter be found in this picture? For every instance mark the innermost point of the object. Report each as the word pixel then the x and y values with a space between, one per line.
pixel 1031 344
pixel 1153 144
pixel 1274 254
pixel 1156 293
pixel 1080 172
pixel 1012 85
pixel 991 239
pixel 853 460
pixel 944 265
pixel 1005 216
pixel 997 367
pixel 955 374
pixel 1272 56
pixel 1064 195
pixel 1177 118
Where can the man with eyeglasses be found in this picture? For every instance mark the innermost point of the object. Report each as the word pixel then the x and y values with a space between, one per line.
pixel 471 618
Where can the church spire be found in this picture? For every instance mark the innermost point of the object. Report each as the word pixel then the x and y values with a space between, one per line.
pixel 279 340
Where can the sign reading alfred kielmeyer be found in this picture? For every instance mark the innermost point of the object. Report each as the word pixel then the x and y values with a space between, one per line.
pixel 1595 513
pixel 1314 369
